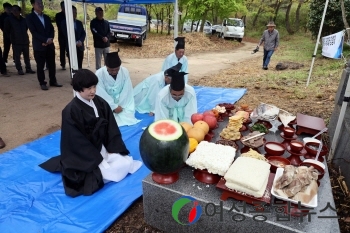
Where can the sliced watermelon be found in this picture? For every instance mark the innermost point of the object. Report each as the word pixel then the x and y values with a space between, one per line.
pixel 164 146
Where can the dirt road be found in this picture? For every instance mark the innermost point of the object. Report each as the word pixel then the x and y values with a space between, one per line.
pixel 27 112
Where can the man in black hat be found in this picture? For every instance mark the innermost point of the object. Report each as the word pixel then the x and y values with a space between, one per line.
pixel 145 93
pixel 176 101
pixel 100 32
pixel 115 87
pixel 271 40
pixel 177 56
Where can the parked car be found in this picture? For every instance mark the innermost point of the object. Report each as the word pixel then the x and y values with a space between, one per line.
pixel 187 26
pixel 232 28
pixel 131 24
pixel 155 22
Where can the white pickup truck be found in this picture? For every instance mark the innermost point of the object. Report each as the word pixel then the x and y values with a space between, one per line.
pixel 131 24
pixel 230 28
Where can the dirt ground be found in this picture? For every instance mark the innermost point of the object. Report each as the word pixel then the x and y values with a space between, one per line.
pixel 27 112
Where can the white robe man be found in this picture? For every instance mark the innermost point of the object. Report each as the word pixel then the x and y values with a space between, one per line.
pixel 145 93
pixel 115 87
pixel 176 101
pixel 177 56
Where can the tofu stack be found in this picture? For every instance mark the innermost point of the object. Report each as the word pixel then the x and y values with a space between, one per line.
pixel 248 175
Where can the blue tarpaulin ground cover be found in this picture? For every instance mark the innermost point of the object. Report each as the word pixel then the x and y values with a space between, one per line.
pixel 33 200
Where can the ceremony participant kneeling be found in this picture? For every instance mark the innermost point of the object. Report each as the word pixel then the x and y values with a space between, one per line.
pixel 177 56
pixel 92 149
pixel 115 87
pixel 145 93
pixel 176 101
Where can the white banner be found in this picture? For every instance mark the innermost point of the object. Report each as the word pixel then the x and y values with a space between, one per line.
pixel 332 45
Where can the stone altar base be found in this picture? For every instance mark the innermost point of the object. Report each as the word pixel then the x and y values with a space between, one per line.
pixel 158 201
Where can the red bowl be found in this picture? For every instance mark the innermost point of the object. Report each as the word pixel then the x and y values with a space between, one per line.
pixel 288 132
pixel 274 148
pixel 318 168
pixel 296 146
pixel 311 148
pixel 276 162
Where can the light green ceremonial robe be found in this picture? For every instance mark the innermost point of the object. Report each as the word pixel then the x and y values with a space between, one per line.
pixel 145 93
pixel 179 111
pixel 117 92
pixel 172 60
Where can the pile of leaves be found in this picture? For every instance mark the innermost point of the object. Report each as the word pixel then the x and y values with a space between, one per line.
pixel 160 45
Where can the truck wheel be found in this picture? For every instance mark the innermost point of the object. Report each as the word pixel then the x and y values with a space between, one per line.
pixel 145 36
pixel 140 41
pixel 239 40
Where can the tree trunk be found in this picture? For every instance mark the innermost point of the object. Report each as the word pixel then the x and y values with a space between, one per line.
pixel 168 13
pixel 204 17
pixel 148 8
pixel 161 21
pixel 23 6
pixel 297 15
pixel 343 13
pixel 288 26
pixel 278 5
pixel 257 15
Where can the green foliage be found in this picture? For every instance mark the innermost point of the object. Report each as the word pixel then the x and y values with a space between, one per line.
pixel 333 20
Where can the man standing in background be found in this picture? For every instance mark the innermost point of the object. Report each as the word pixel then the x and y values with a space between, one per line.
pixel 43 33
pixel 6 37
pixel 271 40
pixel 80 35
pixel 60 18
pixel 16 27
pixel 100 32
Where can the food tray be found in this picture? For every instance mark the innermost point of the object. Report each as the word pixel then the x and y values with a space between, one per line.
pixel 245 197
pixel 279 173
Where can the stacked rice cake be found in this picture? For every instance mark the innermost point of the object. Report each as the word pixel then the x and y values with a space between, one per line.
pixel 248 175
pixel 216 158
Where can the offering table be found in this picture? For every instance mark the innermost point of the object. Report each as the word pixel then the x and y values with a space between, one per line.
pixel 230 215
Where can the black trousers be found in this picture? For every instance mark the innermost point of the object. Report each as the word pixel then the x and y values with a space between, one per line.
pixel 80 57
pixel 62 44
pixel 41 57
pixel 7 46
pixel 18 49
pixel 2 63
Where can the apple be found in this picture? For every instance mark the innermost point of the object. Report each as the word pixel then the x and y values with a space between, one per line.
pixel 209 112
pixel 211 121
pixel 196 117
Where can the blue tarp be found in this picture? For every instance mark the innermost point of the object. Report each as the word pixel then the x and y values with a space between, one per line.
pixel 33 200
pixel 126 1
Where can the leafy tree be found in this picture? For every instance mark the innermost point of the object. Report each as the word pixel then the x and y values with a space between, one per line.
pixel 333 22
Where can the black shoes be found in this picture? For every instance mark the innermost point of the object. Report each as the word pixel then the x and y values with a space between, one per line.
pixel 30 71
pixel 20 72
pixel 44 87
pixel 55 85
pixel 265 68
pixel 63 68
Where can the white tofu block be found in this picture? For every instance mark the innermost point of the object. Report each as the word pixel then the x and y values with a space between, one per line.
pixel 239 188
pixel 248 172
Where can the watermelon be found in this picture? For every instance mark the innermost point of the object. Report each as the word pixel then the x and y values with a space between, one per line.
pixel 164 146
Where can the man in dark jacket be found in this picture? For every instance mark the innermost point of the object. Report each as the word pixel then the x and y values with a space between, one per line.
pixel 43 33
pixel 16 27
pixel 80 35
pixel 101 32
pixel 6 37
pixel 60 18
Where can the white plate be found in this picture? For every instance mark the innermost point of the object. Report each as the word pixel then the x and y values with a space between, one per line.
pixel 279 173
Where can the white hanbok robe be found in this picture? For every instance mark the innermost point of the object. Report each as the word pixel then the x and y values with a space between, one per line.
pixel 172 60
pixel 179 111
pixel 116 93
pixel 114 167
pixel 145 93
